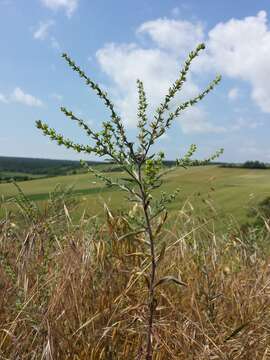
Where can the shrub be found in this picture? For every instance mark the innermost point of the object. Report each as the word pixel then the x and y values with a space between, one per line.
pixel 143 168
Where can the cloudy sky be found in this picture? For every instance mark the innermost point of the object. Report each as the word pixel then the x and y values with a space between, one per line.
pixel 118 41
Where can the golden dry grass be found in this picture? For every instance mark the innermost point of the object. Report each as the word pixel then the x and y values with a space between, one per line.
pixel 80 292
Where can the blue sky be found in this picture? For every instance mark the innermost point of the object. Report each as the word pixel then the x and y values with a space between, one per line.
pixel 116 42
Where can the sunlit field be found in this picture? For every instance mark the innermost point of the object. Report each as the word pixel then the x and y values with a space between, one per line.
pixel 229 191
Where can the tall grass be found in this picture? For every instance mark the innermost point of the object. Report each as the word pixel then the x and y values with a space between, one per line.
pixel 78 290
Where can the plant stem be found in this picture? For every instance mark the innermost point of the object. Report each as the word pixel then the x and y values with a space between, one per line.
pixel 151 297
pixel 152 305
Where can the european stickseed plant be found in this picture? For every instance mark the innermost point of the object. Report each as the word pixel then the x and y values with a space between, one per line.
pixel 144 169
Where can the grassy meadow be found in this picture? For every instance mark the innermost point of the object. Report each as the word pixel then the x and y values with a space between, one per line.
pixel 230 191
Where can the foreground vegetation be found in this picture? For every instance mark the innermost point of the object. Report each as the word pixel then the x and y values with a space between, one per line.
pixel 78 290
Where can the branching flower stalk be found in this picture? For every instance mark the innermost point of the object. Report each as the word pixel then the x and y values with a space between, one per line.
pixel 144 169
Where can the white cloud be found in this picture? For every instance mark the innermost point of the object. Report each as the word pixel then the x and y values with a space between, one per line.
pixel 3 98
pixel 158 67
pixel 174 35
pixel 124 64
pixel 246 123
pixel 254 151
pixel 240 49
pixel 20 96
pixel 194 120
pixel 69 6
pixel 42 31
pixel 233 93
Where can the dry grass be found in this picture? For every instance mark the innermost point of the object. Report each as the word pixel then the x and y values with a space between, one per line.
pixel 79 291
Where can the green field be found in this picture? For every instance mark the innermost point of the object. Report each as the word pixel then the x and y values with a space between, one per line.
pixel 231 191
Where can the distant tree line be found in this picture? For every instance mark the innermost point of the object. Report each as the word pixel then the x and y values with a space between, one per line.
pixel 34 166
pixel 17 178
pixel 37 166
pixel 250 164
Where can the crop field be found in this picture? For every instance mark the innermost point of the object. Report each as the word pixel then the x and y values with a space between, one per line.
pixel 228 191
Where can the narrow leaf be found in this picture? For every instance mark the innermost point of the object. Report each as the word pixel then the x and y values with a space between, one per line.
pixel 236 331
pixel 167 279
